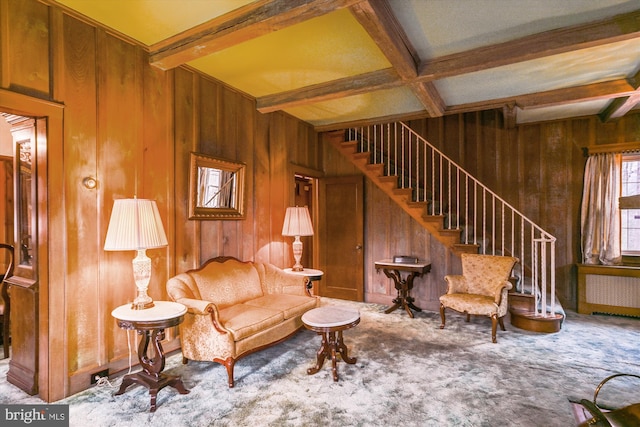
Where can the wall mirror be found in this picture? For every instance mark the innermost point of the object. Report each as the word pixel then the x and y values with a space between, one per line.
pixel 216 188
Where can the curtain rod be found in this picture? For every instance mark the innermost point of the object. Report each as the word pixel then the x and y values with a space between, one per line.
pixel 624 147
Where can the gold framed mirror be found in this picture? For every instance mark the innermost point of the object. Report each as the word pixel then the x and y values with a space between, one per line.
pixel 216 188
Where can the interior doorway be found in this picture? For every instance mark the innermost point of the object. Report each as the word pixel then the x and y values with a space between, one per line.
pixel 304 196
pixel 6 184
pixel 6 225
pixel 27 138
pixel 47 302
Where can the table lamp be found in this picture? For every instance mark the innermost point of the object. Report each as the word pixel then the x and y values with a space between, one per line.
pixel 135 224
pixel 297 222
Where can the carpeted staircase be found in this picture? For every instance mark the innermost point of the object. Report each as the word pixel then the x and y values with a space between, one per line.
pixel 460 212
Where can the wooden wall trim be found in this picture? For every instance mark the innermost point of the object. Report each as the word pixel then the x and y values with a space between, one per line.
pixel 625 147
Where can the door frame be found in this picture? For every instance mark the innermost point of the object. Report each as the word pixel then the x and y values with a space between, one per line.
pixel 52 328
pixel 316 175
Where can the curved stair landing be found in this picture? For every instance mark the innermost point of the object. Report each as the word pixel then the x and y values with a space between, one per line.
pixel 523 315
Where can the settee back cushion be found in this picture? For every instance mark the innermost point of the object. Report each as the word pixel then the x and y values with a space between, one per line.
pixel 228 283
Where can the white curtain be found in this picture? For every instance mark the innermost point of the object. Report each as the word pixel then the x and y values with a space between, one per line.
pixel 600 219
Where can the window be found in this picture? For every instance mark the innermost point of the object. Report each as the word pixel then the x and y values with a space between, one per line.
pixel 630 217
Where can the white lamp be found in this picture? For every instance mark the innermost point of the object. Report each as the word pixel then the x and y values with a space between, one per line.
pixel 297 222
pixel 136 225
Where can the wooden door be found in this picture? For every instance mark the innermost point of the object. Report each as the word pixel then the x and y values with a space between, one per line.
pixel 23 285
pixel 342 234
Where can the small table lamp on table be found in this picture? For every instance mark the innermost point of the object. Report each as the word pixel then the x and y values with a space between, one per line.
pixel 135 225
pixel 297 222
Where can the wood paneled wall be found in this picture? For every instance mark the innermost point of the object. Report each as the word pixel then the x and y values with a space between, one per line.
pixel 538 168
pixel 132 127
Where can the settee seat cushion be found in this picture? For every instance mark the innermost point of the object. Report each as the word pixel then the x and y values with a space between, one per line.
pixel 465 303
pixel 245 320
pixel 290 305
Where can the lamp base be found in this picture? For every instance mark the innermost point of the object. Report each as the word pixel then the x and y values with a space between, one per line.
pixel 142 275
pixel 141 305
pixel 297 254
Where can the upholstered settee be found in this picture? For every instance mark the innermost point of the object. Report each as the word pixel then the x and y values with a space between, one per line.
pixel 235 308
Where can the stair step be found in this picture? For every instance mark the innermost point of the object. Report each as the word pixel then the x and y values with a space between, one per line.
pixel 406 192
pixel 349 147
pixel 393 179
pixel 453 232
pixel 465 248
pixel 435 219
pixel 375 168
pixel 522 302
pixel 529 321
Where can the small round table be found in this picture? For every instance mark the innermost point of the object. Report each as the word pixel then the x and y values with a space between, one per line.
pixel 326 321
pixel 151 323
pixel 309 273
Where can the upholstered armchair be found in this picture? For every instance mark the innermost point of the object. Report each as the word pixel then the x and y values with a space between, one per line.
pixel 481 290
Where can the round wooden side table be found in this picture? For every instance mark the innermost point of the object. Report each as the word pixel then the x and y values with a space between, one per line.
pixel 151 323
pixel 327 321
pixel 309 273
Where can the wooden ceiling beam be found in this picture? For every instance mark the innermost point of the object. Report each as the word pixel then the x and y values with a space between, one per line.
pixel 590 92
pixel 381 24
pixel 430 98
pixel 264 16
pixel 245 23
pixel 620 88
pixel 597 33
pixel 378 20
pixel 370 14
pixel 621 106
pixel 340 88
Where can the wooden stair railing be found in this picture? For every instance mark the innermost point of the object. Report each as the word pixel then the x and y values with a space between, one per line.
pixel 459 211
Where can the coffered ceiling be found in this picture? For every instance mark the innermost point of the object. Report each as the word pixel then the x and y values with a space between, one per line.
pixel 334 63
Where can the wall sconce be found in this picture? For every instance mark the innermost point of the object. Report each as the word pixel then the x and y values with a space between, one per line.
pixel 297 222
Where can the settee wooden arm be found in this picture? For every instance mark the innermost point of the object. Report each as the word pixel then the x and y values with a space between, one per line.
pixel 196 306
pixel 215 320
pixel 202 308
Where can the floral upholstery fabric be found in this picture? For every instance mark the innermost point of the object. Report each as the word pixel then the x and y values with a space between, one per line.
pixel 482 289
pixel 235 307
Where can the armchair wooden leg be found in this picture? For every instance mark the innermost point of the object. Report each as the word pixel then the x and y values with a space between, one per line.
pixel 501 322
pixel 442 316
pixel 494 327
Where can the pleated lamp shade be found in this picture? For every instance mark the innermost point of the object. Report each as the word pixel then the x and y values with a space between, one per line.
pixel 135 224
pixel 297 222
